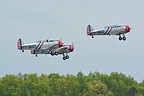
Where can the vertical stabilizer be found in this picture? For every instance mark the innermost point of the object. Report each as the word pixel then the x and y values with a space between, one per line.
pixel 89 29
pixel 19 44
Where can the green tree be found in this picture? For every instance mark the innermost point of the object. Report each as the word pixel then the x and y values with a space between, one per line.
pixel 95 84
pixel 119 84
pixel 132 91
pixel 141 88
pixel 97 88
pixel 10 86
pixel 72 85
pixel 82 85
pixel 53 80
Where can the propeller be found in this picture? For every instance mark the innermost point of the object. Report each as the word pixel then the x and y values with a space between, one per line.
pixel 72 44
pixel 71 47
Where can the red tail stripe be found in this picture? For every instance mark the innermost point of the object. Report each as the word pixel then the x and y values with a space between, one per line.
pixel 19 44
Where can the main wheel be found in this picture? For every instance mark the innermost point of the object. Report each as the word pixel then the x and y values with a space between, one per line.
pixel 56 53
pixel 64 58
pixel 52 54
pixel 120 38
pixel 67 57
pixel 124 38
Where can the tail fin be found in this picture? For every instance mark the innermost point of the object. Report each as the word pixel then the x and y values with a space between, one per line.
pixel 19 44
pixel 89 29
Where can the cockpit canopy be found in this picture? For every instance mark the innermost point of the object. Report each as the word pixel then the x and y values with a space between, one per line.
pixel 47 40
pixel 113 26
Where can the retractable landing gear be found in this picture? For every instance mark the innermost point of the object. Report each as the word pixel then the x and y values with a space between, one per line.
pixel 92 36
pixel 65 57
pixel 122 38
pixel 52 54
pixel 56 53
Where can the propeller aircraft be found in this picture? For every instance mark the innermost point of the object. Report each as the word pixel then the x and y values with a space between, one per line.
pixel 53 47
pixel 38 45
pixel 110 30
pixel 64 50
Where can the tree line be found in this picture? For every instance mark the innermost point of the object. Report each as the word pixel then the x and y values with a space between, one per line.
pixel 94 84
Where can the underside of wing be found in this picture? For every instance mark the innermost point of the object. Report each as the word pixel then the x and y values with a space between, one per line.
pixel 53 47
pixel 63 50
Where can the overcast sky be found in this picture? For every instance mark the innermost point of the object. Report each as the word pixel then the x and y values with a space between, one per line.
pixel 34 20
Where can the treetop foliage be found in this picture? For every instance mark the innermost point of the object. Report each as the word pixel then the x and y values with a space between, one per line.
pixel 94 84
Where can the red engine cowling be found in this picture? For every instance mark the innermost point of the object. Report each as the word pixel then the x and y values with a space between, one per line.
pixel 60 43
pixel 71 48
pixel 128 28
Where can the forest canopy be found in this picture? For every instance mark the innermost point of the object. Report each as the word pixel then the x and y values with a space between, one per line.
pixel 94 84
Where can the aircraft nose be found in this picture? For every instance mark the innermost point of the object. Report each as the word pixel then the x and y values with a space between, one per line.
pixel 60 43
pixel 71 48
pixel 128 28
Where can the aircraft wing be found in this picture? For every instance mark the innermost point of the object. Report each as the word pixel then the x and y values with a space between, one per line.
pixel 63 50
pixel 52 47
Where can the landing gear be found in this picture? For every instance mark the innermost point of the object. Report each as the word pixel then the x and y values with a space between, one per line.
pixel 65 57
pixel 92 36
pixel 122 38
pixel 56 53
pixel 22 50
pixel 52 54
pixel 36 55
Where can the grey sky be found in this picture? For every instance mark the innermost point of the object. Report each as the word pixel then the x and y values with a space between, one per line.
pixel 36 20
